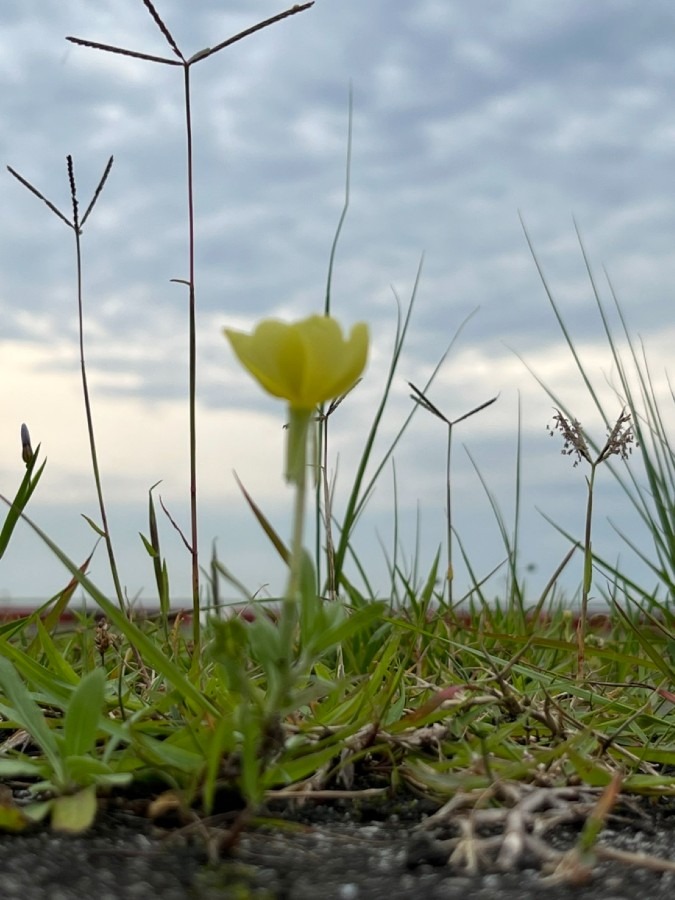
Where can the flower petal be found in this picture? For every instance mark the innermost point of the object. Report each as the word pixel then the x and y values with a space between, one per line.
pixel 305 363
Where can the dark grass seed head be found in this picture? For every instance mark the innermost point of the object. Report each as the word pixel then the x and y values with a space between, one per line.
pixel 620 438
pixel 574 441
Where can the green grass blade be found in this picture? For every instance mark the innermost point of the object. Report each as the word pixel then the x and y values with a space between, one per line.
pixel 149 650
pixel 28 715
pixel 23 495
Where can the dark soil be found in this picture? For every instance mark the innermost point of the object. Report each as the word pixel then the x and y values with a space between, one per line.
pixel 345 850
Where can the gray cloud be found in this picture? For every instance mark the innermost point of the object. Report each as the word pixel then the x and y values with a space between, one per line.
pixel 463 115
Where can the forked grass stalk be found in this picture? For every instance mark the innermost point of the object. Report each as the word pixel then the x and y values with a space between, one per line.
pixel 185 63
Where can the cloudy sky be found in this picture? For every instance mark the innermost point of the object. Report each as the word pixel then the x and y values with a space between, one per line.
pixel 464 116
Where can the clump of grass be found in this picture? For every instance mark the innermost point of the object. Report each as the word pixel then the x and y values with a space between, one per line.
pixel 492 710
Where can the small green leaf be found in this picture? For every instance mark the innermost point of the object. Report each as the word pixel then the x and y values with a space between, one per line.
pixel 26 488
pixel 86 770
pixel 36 812
pixel 265 641
pixel 99 531
pixel 12 818
pixel 148 546
pixel 74 812
pixel 22 767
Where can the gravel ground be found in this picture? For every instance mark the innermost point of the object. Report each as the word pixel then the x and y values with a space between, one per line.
pixel 327 851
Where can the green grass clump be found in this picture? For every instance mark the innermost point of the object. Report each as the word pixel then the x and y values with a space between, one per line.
pixel 330 691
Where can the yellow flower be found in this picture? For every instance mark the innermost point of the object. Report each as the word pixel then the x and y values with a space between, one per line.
pixel 306 362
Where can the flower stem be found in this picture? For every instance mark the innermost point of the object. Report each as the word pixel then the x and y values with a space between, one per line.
pixel 588 575
pixel 293 589
pixel 296 474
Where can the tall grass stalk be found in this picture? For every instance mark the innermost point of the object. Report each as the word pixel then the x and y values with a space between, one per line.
pixel 186 63
pixel 422 400
pixel 619 443
pixel 76 224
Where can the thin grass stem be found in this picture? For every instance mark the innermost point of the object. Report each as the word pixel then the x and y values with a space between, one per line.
pixel 322 452
pixel 76 225
pixel 192 366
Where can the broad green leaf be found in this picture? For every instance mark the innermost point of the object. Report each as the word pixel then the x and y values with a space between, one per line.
pixel 164 754
pixel 228 649
pixel 589 770
pixel 86 770
pixel 265 641
pixel 83 714
pixel 21 767
pixel 287 771
pixel 660 785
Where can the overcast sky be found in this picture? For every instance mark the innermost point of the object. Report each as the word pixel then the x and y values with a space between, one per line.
pixel 464 115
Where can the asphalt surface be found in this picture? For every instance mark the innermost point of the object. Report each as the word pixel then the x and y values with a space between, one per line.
pixel 324 851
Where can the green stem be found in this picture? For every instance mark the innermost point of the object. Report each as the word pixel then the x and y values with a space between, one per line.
pixel 90 422
pixel 296 474
pixel 450 574
pixel 293 591
pixel 588 575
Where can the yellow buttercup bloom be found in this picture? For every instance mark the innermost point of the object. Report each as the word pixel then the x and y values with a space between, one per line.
pixel 306 362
